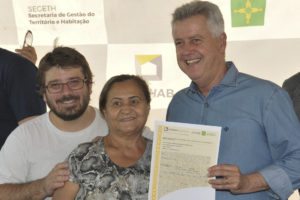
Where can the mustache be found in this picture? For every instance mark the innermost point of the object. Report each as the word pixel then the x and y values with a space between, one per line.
pixel 67 98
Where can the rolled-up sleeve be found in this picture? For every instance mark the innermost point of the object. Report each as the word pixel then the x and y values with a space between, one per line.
pixel 283 133
pixel 278 181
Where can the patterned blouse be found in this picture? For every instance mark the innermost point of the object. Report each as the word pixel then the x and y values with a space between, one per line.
pixel 101 179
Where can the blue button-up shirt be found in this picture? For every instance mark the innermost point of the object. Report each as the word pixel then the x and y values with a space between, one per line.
pixel 260 130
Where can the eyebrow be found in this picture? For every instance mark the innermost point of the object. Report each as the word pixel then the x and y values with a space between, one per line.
pixel 71 78
pixel 131 97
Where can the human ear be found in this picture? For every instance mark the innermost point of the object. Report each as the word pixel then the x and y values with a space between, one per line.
pixel 44 97
pixel 223 42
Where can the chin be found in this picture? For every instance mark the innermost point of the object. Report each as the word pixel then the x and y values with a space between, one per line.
pixel 130 130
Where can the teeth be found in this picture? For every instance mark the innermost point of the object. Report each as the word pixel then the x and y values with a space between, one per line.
pixel 189 62
pixel 70 101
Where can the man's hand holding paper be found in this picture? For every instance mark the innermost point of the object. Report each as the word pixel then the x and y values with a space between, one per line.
pixel 181 155
pixel 232 179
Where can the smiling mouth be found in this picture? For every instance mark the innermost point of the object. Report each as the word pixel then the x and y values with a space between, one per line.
pixel 68 101
pixel 127 119
pixel 190 62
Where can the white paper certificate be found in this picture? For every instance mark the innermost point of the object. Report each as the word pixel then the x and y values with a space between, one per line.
pixel 181 155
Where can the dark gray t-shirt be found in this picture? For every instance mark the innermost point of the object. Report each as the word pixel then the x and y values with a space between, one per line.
pixel 99 178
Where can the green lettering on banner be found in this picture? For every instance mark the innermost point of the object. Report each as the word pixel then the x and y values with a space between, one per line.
pixel 248 12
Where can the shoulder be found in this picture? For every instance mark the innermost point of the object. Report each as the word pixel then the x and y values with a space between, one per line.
pixel 240 81
pixel 147 133
pixel 261 92
pixel 99 123
pixel 182 98
pixel 81 150
pixel 86 151
pixel 31 127
pixel 292 82
pixel 16 62
pixel 246 81
pixel 26 136
pixel 149 141
pixel 149 146
pixel 146 158
pixel 98 116
pixel 181 93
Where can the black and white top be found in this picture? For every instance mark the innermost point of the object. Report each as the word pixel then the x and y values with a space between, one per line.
pixel 100 178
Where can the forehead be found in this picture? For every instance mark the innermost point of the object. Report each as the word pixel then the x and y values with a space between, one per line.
pixel 192 25
pixel 62 74
pixel 125 89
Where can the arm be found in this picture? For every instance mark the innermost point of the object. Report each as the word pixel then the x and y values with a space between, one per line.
pixel 282 131
pixel 26 119
pixel 283 135
pixel 38 189
pixel 234 181
pixel 68 192
pixel 28 52
pixel 21 191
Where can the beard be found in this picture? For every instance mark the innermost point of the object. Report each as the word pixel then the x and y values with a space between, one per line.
pixel 70 113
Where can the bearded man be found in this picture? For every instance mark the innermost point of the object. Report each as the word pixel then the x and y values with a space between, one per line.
pixel 29 157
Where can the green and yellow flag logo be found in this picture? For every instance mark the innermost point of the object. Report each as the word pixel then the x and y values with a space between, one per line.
pixel 248 12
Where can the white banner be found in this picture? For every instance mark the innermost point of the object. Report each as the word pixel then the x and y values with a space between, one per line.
pixel 71 22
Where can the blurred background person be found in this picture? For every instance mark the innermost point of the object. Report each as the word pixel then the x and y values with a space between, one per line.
pixel 118 165
pixel 19 96
pixel 292 86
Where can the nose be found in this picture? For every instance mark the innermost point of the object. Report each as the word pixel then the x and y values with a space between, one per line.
pixel 65 88
pixel 126 108
pixel 185 49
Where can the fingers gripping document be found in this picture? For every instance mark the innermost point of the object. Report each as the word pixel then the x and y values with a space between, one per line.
pixel 181 155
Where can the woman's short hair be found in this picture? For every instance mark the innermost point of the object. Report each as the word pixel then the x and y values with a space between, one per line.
pixel 121 78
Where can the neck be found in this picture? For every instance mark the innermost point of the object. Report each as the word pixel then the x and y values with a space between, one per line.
pixel 204 86
pixel 74 125
pixel 121 141
pixel 124 151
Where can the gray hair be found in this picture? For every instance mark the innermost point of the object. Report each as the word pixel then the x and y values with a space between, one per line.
pixel 215 21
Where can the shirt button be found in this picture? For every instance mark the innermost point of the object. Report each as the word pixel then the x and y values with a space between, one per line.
pixel 206 105
pixel 226 128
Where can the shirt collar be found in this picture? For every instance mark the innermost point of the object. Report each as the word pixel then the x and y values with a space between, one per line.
pixel 230 78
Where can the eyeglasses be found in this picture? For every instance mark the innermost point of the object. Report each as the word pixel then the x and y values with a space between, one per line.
pixel 74 84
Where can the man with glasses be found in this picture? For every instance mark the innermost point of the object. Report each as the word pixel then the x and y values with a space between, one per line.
pixel 35 147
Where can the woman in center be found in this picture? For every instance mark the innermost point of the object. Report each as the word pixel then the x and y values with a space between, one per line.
pixel 118 165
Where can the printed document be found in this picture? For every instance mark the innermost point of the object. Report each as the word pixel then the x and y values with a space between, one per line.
pixel 181 155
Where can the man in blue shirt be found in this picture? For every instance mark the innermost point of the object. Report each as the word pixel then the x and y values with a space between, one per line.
pixel 259 156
